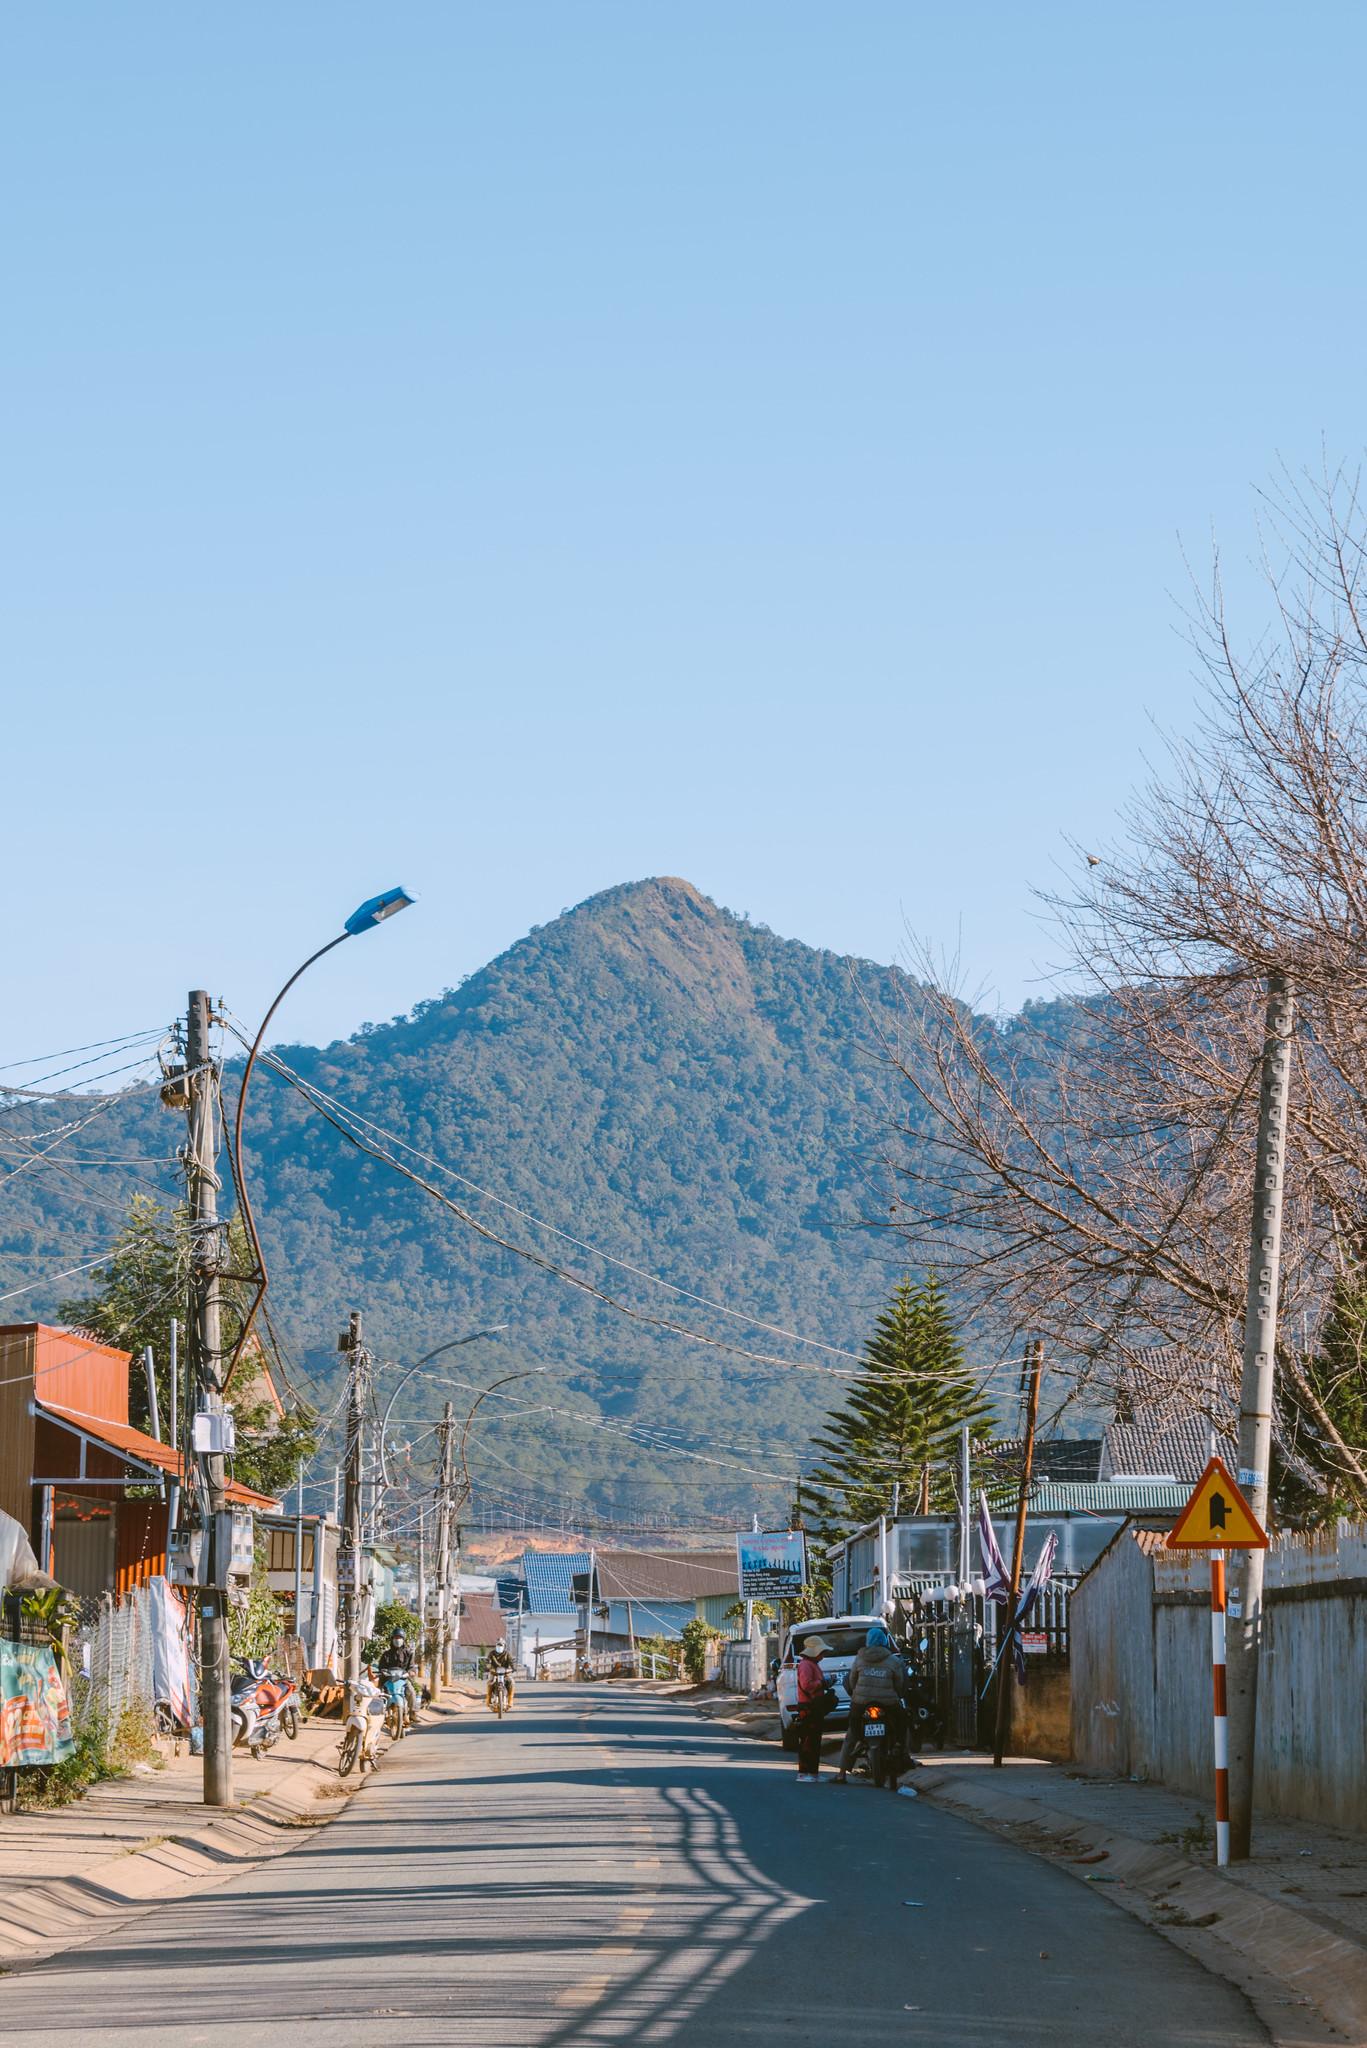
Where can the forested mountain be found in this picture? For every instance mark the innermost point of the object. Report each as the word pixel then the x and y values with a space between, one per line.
pixel 655 1077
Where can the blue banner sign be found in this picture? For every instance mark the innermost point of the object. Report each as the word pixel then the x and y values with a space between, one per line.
pixel 772 1567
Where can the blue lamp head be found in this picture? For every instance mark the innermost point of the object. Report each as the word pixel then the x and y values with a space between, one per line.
pixel 376 909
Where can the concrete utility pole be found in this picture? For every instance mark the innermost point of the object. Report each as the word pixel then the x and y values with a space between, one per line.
pixel 206 1365
pixel 299 1559
pixel 353 1536
pixel 1005 1659
pixel 422 1576
pixel 962 1680
pixel 437 1667
pixel 1255 1405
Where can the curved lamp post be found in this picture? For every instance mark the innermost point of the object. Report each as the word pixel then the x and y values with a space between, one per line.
pixel 372 912
pixel 452 1344
pixel 527 1373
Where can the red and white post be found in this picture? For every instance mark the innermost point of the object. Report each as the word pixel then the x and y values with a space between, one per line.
pixel 1217 1660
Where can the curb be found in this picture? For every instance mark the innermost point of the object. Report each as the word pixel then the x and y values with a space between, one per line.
pixel 1316 1968
pixel 41 1919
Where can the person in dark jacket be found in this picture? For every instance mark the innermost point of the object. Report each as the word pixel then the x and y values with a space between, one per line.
pixel 812 1708
pixel 878 1676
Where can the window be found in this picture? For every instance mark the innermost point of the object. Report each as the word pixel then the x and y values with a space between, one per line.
pixel 280 1550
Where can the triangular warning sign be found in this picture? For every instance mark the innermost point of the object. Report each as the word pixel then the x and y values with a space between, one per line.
pixel 1217 1517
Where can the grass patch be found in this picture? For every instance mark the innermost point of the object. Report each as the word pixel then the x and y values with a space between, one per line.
pixel 1196 1840
pixel 101 1753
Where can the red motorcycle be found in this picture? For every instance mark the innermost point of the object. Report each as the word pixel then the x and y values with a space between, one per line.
pixel 265 1706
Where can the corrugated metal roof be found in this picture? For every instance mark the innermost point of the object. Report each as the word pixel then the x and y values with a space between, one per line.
pixel 1107 1497
pixel 667 1575
pixel 481 1622
pixel 135 1443
pixel 548 1574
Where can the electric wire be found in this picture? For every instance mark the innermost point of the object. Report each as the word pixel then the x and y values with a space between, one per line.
pixel 321 1096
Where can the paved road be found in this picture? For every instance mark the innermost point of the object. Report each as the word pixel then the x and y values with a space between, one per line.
pixel 605 1867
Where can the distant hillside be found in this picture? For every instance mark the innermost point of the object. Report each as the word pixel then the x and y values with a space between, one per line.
pixel 649 1073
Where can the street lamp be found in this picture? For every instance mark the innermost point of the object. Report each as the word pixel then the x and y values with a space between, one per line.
pixel 452 1344
pixel 372 912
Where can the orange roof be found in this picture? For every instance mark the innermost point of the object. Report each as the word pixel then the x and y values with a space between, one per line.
pixel 121 1436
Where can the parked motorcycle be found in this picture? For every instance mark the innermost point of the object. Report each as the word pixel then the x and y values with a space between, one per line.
pixel 265 1706
pixel 366 1708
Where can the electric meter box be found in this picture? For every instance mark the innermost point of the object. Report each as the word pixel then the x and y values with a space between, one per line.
pixel 215 1430
pixel 183 1552
pixel 236 1544
pixel 346 1572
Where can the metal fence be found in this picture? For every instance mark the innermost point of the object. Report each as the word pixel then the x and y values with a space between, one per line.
pixel 921 1618
pixel 110 1663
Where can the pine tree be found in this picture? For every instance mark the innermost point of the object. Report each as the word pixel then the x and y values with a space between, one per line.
pixel 899 1426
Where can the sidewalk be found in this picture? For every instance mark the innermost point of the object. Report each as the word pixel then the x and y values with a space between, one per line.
pixel 1317 1870
pixel 1295 1915
pixel 132 1841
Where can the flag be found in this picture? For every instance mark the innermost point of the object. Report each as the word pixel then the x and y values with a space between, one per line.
pixel 1034 1586
pixel 996 1578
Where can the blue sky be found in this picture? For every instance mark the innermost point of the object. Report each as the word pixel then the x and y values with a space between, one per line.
pixel 513 449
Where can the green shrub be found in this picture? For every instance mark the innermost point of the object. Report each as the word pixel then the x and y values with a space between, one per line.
pixel 391 1615
pixel 695 1636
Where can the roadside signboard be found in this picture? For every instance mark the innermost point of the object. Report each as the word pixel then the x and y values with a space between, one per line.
pixel 1217 1517
pixel 772 1567
pixel 1034 1642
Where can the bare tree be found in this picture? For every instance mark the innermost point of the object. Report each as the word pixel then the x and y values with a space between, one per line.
pixel 1087 1169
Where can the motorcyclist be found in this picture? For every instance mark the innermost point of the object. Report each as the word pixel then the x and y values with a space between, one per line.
pixel 396 1662
pixel 499 1670
pixel 879 1677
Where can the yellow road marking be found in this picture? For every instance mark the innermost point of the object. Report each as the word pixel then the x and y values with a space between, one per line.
pixel 588 1992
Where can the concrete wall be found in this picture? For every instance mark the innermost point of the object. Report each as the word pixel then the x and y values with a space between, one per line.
pixel 1112 1644
pixel 1141 1673
pixel 1040 1711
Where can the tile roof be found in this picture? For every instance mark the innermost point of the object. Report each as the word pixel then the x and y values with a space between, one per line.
pixel 1072 1460
pixel 1165 1383
pixel 548 1574
pixel 134 1443
pixel 1162 1446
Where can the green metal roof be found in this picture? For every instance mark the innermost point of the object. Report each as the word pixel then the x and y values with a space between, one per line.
pixel 1108 1497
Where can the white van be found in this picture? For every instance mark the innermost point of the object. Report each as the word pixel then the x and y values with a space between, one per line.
pixel 846 1635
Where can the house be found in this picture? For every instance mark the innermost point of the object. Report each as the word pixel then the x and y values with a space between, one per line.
pixel 549 1615
pixel 916 1553
pixel 92 1491
pixel 636 1593
pixel 657 1592
pixel 479 1625
pixel 318 1576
